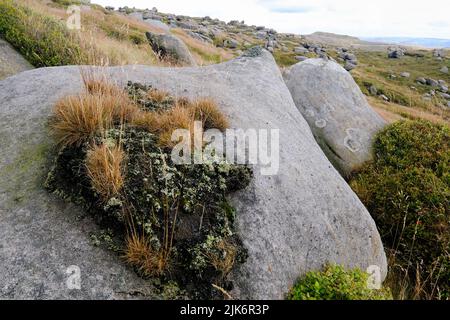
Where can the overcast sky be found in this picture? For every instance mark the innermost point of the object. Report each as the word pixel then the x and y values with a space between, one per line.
pixel 364 18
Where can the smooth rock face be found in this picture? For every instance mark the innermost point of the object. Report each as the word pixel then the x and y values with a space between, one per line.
pixel 11 62
pixel 342 121
pixel 169 46
pixel 291 222
pixel 41 237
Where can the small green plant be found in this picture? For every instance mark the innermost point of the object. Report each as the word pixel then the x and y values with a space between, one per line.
pixel 336 283
pixel 407 190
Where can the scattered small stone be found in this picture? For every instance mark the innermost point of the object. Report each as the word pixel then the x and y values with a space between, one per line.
pixel 384 97
pixel 427 97
pixel 230 43
pixel 439 53
pixel 405 74
pixel 302 50
pixel 444 69
pixel 301 58
pixel 421 80
pixel 432 82
pixel 445 95
pixel 395 53
pixel 349 66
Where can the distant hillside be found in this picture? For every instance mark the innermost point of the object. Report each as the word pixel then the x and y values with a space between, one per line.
pixel 338 40
pixel 332 39
pixel 422 42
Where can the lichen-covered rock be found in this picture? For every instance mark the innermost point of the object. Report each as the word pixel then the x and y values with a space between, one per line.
pixel 340 118
pixel 291 222
pixel 168 46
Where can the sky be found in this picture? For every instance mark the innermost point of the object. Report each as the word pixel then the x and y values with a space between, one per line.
pixel 363 18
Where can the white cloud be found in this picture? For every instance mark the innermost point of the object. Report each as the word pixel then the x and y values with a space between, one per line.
pixel 407 18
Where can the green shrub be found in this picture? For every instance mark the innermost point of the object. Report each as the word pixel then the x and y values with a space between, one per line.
pixel 407 190
pixel 415 144
pixel 336 283
pixel 42 40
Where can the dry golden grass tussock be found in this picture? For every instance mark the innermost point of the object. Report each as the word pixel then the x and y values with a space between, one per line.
pixel 175 118
pixel 139 254
pixel 97 83
pixel 124 110
pixel 105 169
pixel 76 119
pixel 79 118
pixel 182 116
pixel 157 96
pixel 207 111
pixel 224 262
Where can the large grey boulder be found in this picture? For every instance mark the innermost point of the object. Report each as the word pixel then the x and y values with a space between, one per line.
pixel 167 46
pixel 43 240
pixel 296 220
pixel 154 23
pixel 342 121
pixel 11 62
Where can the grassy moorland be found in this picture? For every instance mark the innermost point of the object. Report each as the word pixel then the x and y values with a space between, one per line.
pixel 405 93
pixel 37 29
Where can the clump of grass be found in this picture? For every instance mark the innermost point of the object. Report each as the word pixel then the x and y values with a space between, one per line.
pixel 105 169
pixel 140 254
pixel 79 118
pixel 182 115
pixel 96 83
pixel 76 119
pixel 336 283
pixel 223 258
pixel 158 96
pixel 407 190
pixel 171 120
pixel 207 111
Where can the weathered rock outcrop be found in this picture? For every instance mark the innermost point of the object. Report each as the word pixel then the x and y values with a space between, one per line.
pixel 342 121
pixel 11 62
pixel 291 222
pixel 170 47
